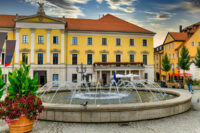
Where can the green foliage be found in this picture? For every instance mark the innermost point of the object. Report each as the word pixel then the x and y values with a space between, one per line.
pixel 184 61
pixel 2 84
pixel 166 66
pixel 20 82
pixel 197 58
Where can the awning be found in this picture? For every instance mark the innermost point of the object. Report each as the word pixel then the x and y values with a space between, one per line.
pixel 181 74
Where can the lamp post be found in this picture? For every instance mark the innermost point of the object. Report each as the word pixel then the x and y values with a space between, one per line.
pixel 81 70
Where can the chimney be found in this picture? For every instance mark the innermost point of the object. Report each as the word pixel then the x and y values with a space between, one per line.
pixel 189 34
pixel 195 27
pixel 180 28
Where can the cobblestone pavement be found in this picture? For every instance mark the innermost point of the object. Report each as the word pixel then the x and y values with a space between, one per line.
pixel 188 122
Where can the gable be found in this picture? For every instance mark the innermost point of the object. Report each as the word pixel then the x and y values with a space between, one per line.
pixel 168 38
pixel 39 19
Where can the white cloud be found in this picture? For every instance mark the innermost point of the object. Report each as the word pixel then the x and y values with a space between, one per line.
pixel 99 1
pixel 122 5
pixel 61 7
pixel 159 16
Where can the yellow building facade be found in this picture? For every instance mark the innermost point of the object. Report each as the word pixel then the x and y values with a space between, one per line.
pixel 55 47
pixel 174 41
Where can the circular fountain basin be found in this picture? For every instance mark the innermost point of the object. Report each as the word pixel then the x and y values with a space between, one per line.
pixel 116 109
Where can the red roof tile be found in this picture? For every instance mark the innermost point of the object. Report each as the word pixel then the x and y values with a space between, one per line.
pixel 179 36
pixel 106 23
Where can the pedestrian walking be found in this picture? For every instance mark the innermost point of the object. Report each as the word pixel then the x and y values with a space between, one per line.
pixel 190 85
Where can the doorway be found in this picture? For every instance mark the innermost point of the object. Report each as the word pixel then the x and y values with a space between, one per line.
pixel 42 77
pixel 104 78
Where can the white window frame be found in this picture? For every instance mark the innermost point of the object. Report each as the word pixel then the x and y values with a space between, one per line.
pixel 76 41
pixel 192 44
pixel 106 57
pixel 43 58
pixel 130 58
pixel 25 39
pixel 116 57
pixel 133 42
pixel 27 56
pixel 38 39
pixel 147 59
pixel 58 58
pixel 143 43
pixel 102 41
pixel 58 40
pixel 72 58
pixel 119 41
pixel 88 41
pixel 87 58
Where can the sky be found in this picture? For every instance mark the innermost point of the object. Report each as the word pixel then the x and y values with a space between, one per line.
pixel 160 16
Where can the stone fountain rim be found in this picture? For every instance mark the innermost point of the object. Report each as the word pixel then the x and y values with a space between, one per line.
pixel 182 98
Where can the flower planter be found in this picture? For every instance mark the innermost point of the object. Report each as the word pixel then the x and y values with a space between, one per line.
pixel 22 125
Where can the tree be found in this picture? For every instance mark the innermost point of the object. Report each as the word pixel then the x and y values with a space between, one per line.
pixel 166 66
pixel 184 60
pixel 197 58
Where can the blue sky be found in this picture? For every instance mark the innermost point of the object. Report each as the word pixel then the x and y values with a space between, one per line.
pixel 160 16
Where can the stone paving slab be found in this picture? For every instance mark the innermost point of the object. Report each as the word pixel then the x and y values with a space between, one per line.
pixel 188 122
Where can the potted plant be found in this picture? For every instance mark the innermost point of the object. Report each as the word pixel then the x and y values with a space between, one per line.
pixel 21 106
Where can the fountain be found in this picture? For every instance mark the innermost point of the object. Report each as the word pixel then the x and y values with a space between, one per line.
pixel 116 102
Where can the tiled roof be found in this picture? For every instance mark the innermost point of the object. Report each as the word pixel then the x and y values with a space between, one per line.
pixel 7 20
pixel 106 23
pixel 179 36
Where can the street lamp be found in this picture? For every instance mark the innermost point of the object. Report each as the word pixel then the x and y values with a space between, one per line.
pixel 81 70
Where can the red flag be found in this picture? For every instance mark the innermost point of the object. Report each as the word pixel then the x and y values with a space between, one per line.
pixel 10 48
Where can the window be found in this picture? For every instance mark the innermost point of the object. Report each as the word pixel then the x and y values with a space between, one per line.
pixel 55 39
pixel 89 59
pixel 172 56
pixel 157 57
pixel 89 40
pixel 74 59
pixel 118 42
pixel 199 44
pixel 165 47
pixel 25 39
pixel 104 41
pixel 40 58
pixel 55 58
pixel 74 78
pixel 132 42
pixel 3 59
pixel 176 65
pixel 192 43
pixel 172 66
pixel 131 58
pixel 40 39
pixel 145 61
pixel 4 76
pixel 169 46
pixel 144 42
pixel 55 78
pixel 104 57
pixel 176 55
pixel 172 45
pixel 169 56
pixel 74 40
pixel 118 58
pixel 146 76
pixel 25 58
pixel 88 77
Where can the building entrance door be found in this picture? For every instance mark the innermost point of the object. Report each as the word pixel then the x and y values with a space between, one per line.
pixel 104 78
pixel 42 77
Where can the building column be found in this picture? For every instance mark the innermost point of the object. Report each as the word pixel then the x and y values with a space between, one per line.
pixel 17 47
pixel 32 45
pixel 100 75
pixel 62 46
pixel 125 72
pixel 48 46
pixel 129 71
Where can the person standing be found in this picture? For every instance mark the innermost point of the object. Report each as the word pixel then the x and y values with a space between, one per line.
pixel 190 85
